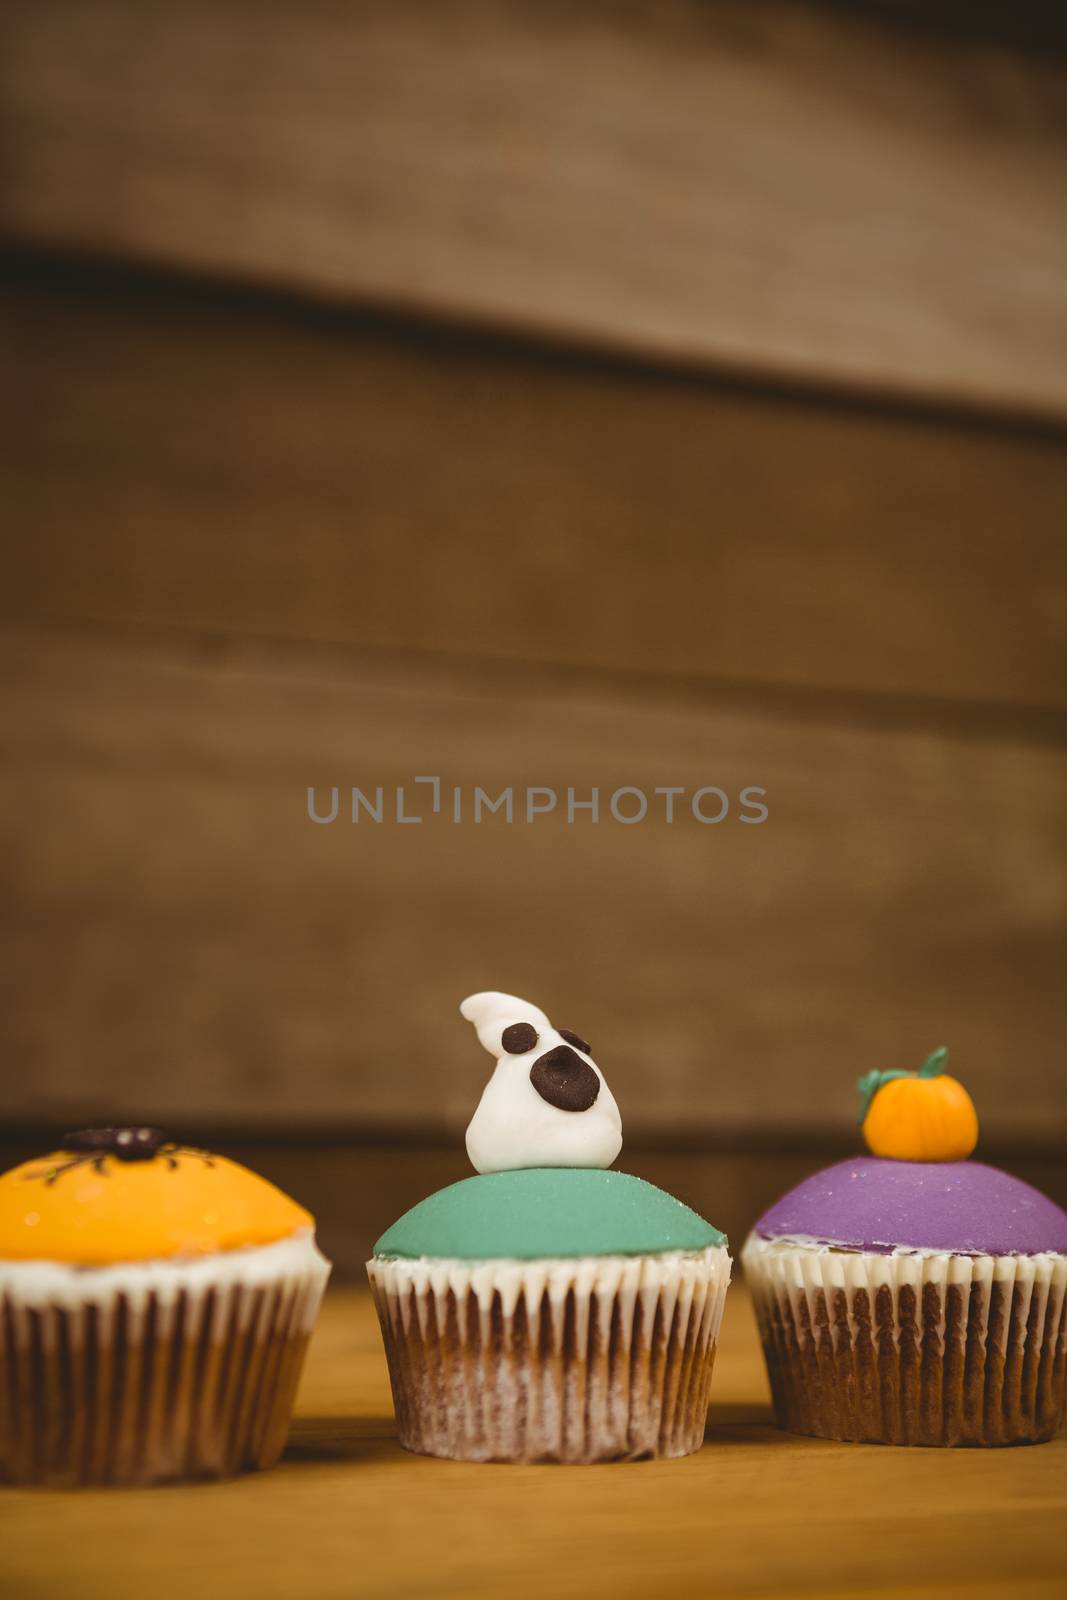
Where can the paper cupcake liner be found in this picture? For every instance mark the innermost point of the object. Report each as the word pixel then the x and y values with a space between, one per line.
pixel 916 1348
pixel 142 1374
pixel 596 1359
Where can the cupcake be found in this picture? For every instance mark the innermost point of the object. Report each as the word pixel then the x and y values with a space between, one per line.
pixel 155 1306
pixel 548 1309
pixel 913 1296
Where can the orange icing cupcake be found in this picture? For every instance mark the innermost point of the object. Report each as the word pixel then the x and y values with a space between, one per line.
pixel 156 1304
pixel 92 1206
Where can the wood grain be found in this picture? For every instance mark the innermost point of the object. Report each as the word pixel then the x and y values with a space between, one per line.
pixel 755 1513
pixel 181 940
pixel 173 459
pixel 795 190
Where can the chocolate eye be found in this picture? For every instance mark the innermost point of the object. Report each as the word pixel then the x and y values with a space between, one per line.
pixel 575 1039
pixel 519 1038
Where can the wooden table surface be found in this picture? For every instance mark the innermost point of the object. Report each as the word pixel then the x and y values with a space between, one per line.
pixel 756 1513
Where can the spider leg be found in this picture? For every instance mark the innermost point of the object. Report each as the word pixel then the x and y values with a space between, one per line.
pixel 50 1174
pixel 191 1150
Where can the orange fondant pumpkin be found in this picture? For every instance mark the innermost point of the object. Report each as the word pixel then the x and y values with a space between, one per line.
pixel 918 1116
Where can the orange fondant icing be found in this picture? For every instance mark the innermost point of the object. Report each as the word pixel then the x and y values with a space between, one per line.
pixel 139 1210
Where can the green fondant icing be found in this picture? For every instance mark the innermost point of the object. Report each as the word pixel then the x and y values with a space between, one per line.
pixel 547 1211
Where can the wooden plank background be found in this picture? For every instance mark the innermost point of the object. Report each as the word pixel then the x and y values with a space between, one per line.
pixel 257 541
pixel 176 915
pixel 829 192
pixel 247 469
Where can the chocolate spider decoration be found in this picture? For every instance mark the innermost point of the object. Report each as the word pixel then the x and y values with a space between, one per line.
pixel 92 1146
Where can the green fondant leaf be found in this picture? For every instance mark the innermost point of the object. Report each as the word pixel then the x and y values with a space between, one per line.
pixel 869 1085
pixel 934 1064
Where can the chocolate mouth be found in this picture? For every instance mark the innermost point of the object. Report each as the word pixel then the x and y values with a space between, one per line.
pixel 562 1078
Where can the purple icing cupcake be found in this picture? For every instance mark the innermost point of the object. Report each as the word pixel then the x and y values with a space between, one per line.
pixel 913 1301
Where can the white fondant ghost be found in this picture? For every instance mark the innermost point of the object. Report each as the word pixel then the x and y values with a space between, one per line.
pixel 513 1125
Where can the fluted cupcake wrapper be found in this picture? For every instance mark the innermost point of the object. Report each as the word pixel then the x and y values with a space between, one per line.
pixel 136 1376
pixel 915 1348
pixel 595 1359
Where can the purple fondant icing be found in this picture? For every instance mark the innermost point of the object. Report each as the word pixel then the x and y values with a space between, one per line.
pixel 960 1206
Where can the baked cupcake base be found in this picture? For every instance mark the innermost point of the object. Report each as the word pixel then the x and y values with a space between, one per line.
pixel 141 1374
pixel 916 1348
pixel 593 1359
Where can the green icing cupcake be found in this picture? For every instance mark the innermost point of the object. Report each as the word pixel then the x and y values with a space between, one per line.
pixel 539 1212
pixel 548 1309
